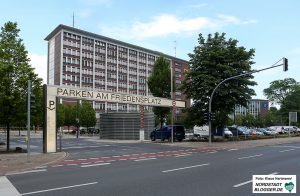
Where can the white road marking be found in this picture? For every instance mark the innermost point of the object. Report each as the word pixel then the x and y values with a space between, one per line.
pixel 122 159
pixel 205 164
pixel 233 149
pixel 26 172
pixel 41 167
pixel 7 188
pixel 116 156
pixel 211 152
pixel 286 146
pixel 286 150
pixel 93 165
pixel 94 158
pixel 59 188
pixel 247 182
pixel 182 155
pixel 144 159
pixel 56 165
pixel 77 147
pixel 71 164
pixel 257 155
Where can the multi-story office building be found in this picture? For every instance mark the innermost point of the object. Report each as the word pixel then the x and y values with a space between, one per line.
pixel 82 59
pixel 255 107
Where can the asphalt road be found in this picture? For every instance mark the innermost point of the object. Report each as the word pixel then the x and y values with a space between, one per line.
pixel 95 168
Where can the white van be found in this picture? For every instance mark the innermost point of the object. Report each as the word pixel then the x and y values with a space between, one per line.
pixel 201 132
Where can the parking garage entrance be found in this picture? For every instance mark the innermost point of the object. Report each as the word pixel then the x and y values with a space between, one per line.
pixel 51 93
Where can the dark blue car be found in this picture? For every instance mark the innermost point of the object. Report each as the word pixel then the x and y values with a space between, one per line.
pixel 165 133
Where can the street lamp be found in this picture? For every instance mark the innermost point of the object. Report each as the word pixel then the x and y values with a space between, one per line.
pixel 284 63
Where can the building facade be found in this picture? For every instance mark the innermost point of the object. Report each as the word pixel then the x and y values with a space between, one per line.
pixel 255 107
pixel 81 59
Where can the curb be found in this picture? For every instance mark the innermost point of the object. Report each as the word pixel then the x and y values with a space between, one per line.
pixel 41 165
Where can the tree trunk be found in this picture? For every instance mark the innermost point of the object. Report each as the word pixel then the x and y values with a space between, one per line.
pixel 7 136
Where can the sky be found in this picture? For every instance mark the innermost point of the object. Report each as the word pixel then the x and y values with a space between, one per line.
pixel 271 27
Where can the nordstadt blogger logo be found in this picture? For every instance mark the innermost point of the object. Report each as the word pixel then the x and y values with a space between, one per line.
pixel 274 183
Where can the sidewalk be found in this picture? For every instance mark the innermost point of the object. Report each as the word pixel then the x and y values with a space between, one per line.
pixel 13 162
pixel 237 144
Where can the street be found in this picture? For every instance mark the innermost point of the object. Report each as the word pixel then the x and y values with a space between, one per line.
pixel 104 168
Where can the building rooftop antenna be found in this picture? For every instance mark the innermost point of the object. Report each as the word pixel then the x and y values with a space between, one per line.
pixel 73 19
pixel 175 45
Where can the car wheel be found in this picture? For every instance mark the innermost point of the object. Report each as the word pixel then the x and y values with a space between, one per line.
pixel 152 138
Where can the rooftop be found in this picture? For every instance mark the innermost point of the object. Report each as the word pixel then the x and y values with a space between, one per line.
pixel 100 37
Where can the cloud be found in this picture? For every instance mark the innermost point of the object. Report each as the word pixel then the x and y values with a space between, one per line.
pixel 234 20
pixel 39 62
pixel 166 24
pixel 198 5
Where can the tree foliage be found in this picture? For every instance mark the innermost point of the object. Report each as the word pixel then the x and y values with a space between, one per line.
pixel 15 71
pixel 291 103
pixel 280 89
pixel 87 115
pixel 212 61
pixel 60 115
pixel 159 83
pixel 70 115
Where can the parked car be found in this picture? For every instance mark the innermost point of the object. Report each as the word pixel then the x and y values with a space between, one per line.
pixel 93 131
pixel 201 132
pixel 165 133
pixel 227 133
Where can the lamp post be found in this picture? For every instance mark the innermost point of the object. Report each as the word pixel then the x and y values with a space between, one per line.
pixel 285 65
pixel 172 131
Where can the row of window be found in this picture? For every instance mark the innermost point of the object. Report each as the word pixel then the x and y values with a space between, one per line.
pixel 87 79
pixel 71 35
pixel 88 47
pixel 72 43
pixel 87 55
pixel 71 51
pixel 71 69
pixel 112 53
pixel 70 60
pixel 100 50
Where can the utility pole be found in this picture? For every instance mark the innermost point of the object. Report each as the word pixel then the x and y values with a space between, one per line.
pixel 28 120
pixel 285 68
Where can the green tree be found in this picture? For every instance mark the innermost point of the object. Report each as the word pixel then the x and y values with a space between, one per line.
pixel 60 115
pixel 37 111
pixel 15 71
pixel 87 115
pixel 279 89
pixel 70 116
pixel 291 103
pixel 159 83
pixel 212 61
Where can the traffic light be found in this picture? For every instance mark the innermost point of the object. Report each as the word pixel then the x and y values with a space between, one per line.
pixel 285 64
pixel 206 116
pixel 32 101
pixel 212 116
